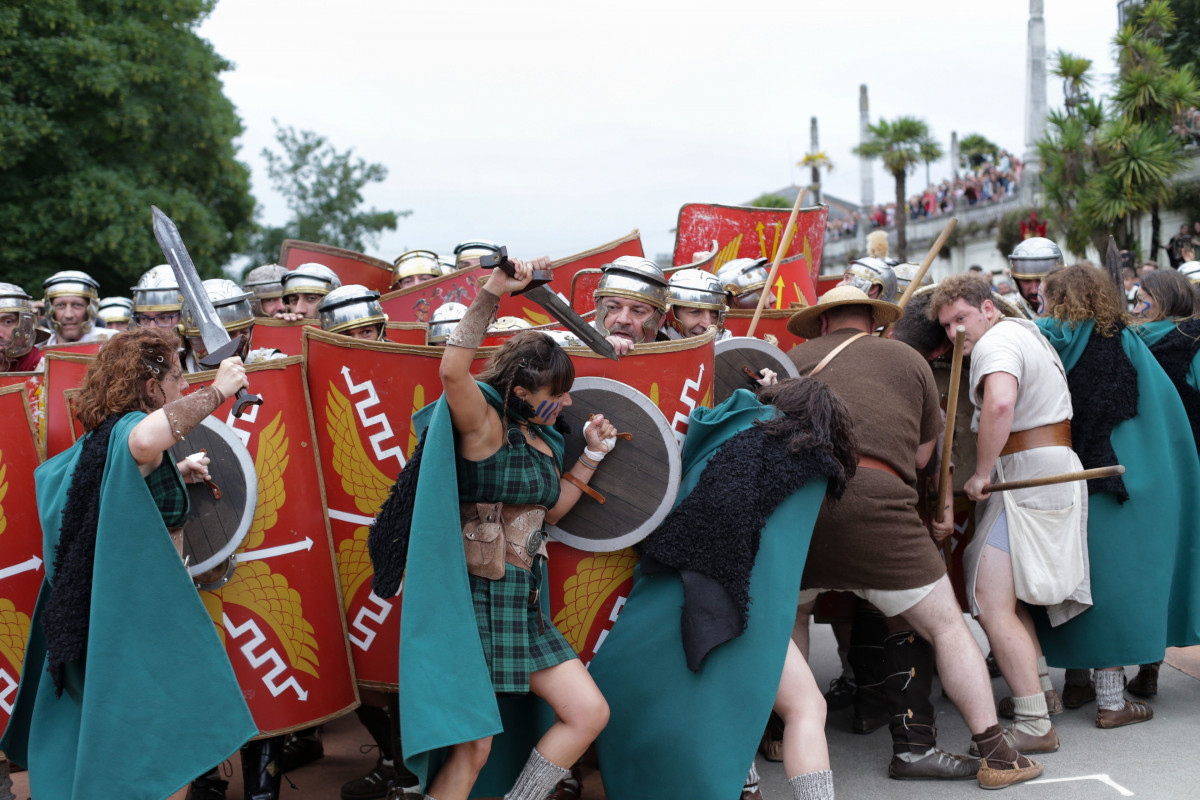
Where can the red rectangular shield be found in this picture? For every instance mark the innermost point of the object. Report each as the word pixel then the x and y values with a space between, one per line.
pixel 351 267
pixel 280 616
pixel 21 567
pixel 63 371
pixel 35 391
pixel 277 334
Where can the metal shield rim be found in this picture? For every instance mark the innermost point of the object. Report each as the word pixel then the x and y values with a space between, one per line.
pixel 674 473
pixel 238 448
pixel 764 347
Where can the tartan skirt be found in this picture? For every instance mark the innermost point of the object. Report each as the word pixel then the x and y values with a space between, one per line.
pixel 509 630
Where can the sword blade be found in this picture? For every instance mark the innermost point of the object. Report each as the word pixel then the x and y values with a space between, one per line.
pixel 571 321
pixel 212 332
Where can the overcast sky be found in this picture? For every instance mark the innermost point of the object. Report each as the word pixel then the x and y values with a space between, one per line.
pixel 555 126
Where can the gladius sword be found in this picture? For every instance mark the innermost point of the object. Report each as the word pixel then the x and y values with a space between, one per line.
pixel 212 332
pixel 538 293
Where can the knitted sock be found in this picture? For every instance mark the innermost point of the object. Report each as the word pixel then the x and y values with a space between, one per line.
pixel 1044 674
pixel 1078 677
pixel 999 754
pixel 751 783
pixel 813 785
pixel 538 778
pixel 1031 714
pixel 1110 688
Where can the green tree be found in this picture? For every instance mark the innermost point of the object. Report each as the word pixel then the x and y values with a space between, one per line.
pixel 1182 43
pixel 106 109
pixel 770 200
pixel 975 149
pixel 901 145
pixel 323 189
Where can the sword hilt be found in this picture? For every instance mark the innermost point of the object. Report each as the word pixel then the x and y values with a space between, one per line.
pixel 236 346
pixel 500 260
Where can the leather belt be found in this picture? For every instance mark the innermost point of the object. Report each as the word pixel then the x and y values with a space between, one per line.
pixel 1057 434
pixel 875 463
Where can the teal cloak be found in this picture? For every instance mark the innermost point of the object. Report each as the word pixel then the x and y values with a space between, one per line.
pixel 156 702
pixel 446 694
pixel 677 733
pixel 1144 554
pixel 1153 332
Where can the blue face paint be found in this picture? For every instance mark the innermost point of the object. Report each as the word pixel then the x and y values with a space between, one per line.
pixel 546 410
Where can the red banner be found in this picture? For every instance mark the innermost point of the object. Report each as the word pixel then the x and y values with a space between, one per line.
pixel 280 616
pixel 349 266
pixel 417 303
pixel 63 371
pixel 21 567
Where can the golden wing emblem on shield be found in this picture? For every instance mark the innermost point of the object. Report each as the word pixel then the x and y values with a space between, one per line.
pixel 268 596
pixel 361 479
pixel 584 592
pixel 14 633
pixel 354 565
pixel 3 492
pixel 270 462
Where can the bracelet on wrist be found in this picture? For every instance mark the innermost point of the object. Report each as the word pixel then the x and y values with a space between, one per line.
pixel 592 467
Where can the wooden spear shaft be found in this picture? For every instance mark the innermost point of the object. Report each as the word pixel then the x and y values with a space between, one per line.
pixel 787 240
pixel 946 483
pixel 915 283
pixel 1067 477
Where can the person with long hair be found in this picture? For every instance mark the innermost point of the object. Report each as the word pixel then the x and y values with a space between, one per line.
pixel 158 695
pixel 468 509
pixel 1140 524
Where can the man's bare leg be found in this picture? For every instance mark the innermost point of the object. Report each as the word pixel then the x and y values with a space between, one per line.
pixel 1012 643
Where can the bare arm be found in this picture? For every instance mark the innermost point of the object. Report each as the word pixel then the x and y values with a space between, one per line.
pixel 995 423
pixel 924 452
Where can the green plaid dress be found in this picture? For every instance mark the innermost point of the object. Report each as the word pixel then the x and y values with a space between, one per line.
pixel 170 495
pixel 517 639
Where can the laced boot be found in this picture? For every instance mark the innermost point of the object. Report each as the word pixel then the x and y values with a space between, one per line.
pixel 908 660
pixel 261 775
pixel 408 781
pixel 300 748
pixel 1145 683
pixel 866 659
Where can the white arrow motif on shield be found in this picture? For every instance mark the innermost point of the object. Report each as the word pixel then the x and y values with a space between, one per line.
pixel 279 550
pixel 25 566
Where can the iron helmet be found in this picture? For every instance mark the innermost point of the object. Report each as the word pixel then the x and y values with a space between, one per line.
pixel 473 248
pixel 905 272
pixel 444 320
pixel 865 272
pixel 311 278
pixel 265 283
pixel 1191 271
pixel 351 306
pixel 447 264
pixel 505 324
pixel 71 283
pixel 564 338
pixel 695 288
pixel 743 279
pixel 416 262
pixel 231 303
pixel 115 310
pixel 13 300
pixel 1033 258
pixel 156 291
pixel 634 278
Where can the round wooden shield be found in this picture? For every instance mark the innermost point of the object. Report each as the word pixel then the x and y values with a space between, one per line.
pixel 216 527
pixel 738 356
pixel 639 479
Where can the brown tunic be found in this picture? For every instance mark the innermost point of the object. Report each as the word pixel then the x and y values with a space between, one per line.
pixel 873 537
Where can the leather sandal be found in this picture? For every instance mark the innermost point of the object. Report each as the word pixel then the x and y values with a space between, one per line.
pixel 1129 714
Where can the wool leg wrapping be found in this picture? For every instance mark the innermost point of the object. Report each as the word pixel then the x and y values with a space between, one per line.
pixel 538 778
pixel 813 785
pixel 1031 714
pixel 1110 688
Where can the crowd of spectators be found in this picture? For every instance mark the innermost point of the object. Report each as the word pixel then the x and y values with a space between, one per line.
pixel 990 181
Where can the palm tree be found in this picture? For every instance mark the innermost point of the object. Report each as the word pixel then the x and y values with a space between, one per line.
pixel 816 162
pixel 901 145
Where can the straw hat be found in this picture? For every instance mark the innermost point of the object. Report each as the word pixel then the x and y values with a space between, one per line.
pixel 806 322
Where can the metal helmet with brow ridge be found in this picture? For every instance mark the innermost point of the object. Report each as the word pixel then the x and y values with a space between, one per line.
pixel 71 283
pixel 633 278
pixel 311 278
pixel 265 283
pixel 1191 271
pixel 444 320
pixel 416 262
pixel 14 300
pixel 905 272
pixel 473 248
pixel 115 310
pixel 1032 258
pixel 695 288
pixel 351 306
pixel 157 291
pixel 743 279
pixel 231 303
pixel 863 273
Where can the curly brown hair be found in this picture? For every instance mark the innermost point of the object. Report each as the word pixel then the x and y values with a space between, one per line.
pixel 1081 292
pixel 116 382
pixel 963 286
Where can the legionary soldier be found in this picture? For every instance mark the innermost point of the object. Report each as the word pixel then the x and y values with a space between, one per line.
pixel 156 299
pixel 304 287
pixel 18 331
pixel 743 280
pixel 875 277
pixel 468 253
pixel 115 313
pixel 353 310
pixel 631 301
pixel 890 392
pixel 1028 264
pixel 72 299
pixel 266 284
pixel 696 303
pixel 443 321
pixel 233 308
pixel 414 267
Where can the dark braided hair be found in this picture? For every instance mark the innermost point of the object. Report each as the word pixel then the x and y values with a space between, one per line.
pixel 531 360
pixel 814 418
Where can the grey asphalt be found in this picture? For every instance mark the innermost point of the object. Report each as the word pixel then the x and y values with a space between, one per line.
pixel 1157 759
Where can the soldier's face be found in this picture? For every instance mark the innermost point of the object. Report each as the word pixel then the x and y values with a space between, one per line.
pixel 368 333
pixel 1031 291
pixel 626 317
pixel 977 321
pixel 303 304
pixel 8 324
pixel 70 313
pixel 694 321
pixel 413 280
pixel 272 306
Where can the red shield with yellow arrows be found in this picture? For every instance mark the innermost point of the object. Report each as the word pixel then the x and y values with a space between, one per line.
pixel 21 567
pixel 349 266
pixel 280 615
